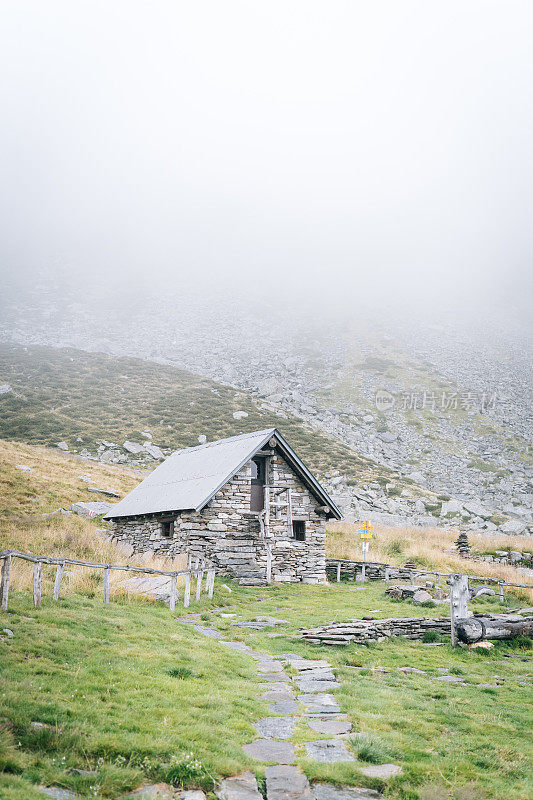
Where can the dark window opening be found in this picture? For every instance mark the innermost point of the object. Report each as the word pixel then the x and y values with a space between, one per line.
pixel 167 528
pixel 257 496
pixel 298 529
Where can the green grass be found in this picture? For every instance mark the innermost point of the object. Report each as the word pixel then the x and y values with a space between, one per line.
pixel 129 691
pixel 67 394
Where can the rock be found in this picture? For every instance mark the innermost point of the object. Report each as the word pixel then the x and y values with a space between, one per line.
pixel 513 527
pixel 478 591
pixel 450 507
pixel 331 726
pixel 275 727
pixel 239 414
pixel 388 437
pixel 272 620
pixel 383 771
pixel 57 792
pixel 154 451
pixel 310 687
pixel 270 751
pixel 449 679
pixel 475 508
pixel 328 750
pixel 23 468
pixel 319 703
pixel 515 556
pixel 368 418
pixel 283 707
pixel 286 783
pixel 62 446
pixel 153 791
pixel 108 492
pixel 5 388
pixel 419 478
pixel 202 439
pixel 8 632
pixel 421 596
pixel 241 787
pixel 90 510
pixel 133 447
pixel 326 791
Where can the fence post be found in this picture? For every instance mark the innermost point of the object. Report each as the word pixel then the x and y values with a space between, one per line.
pixel 199 579
pixel 387 575
pixel 187 593
pixel 339 572
pixel 57 582
pixel 501 591
pixel 173 584
pixel 4 582
pixel 211 581
pixel 412 574
pixel 106 584
pixel 458 601
pixel 37 583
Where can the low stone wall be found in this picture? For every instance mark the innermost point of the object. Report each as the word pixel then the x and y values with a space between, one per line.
pixel 361 631
pixel 374 571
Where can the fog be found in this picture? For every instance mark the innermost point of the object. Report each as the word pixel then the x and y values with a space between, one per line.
pixel 344 152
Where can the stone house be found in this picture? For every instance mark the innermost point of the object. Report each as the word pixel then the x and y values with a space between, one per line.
pixel 247 505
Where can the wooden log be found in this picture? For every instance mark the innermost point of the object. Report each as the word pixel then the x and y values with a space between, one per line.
pixel 4 582
pixel 199 579
pixel 57 582
pixel 494 626
pixel 187 592
pixel 37 583
pixel 173 588
pixel 106 585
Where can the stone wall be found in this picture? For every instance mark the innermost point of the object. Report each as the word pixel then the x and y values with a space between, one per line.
pixel 360 631
pixel 228 535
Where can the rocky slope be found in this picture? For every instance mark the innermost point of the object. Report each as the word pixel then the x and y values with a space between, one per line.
pixel 443 407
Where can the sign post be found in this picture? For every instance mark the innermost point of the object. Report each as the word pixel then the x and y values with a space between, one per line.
pixel 365 532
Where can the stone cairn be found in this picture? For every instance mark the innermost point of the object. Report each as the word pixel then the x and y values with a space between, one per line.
pixel 463 545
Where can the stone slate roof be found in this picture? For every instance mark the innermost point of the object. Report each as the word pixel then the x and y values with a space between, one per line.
pixel 189 478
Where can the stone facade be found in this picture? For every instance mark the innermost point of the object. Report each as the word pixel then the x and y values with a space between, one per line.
pixel 228 535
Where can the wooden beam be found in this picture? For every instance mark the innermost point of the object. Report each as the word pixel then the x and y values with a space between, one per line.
pixel 106 584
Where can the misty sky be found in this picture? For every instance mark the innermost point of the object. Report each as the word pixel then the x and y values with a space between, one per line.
pixel 385 145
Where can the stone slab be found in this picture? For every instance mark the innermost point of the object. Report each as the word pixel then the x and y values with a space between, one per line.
pixel 316 675
pixel 320 703
pixel 240 787
pixel 326 791
pixel 383 771
pixel 304 664
pixel 269 666
pixel 310 687
pixel 275 676
pixel 328 750
pixel 287 783
pixel 57 792
pixel 331 726
pixel 283 707
pixel 153 791
pixel 270 751
pixel 278 695
pixel 275 727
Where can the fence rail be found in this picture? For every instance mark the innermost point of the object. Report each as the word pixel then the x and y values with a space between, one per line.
pixel 379 571
pixel 199 570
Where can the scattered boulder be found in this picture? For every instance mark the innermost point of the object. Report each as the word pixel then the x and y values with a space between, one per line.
pixel 202 439
pixel 239 414
pixel 513 527
pixel 107 492
pixel 63 446
pixel 133 447
pixel 450 507
pixel 90 510
pixel 154 451
pixel 57 792
pixel 23 468
pixel 421 596
pixel 5 388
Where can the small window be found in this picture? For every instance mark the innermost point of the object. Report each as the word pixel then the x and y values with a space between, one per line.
pixel 167 528
pixel 298 529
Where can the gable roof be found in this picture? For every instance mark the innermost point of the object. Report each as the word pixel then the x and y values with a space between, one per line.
pixel 190 478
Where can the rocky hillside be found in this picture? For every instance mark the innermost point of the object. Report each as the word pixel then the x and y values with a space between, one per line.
pixel 443 408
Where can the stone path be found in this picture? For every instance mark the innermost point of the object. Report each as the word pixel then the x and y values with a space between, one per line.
pixel 297 690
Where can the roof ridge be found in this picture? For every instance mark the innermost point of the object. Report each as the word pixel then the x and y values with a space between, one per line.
pixel 221 441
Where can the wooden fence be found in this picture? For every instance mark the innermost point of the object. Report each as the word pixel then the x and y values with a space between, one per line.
pixel 378 571
pixel 199 570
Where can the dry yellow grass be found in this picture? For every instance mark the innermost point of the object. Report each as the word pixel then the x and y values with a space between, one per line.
pixel 26 497
pixel 429 548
